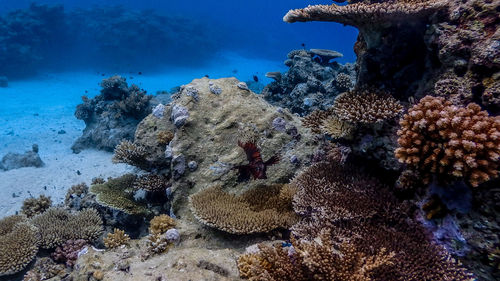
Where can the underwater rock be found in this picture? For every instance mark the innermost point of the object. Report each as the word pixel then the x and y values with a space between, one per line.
pixel 111 116
pixel 16 160
pixel 158 111
pixel 4 82
pixel 308 85
pixel 192 165
pixel 172 235
pixel 216 124
pixel 179 115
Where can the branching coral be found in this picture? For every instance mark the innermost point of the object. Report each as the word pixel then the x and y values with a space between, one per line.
pixel 366 107
pixel 355 208
pixel 337 128
pixel 260 209
pixel 314 121
pixel 437 137
pixel 75 191
pixel 116 238
pixel 319 259
pixel 130 153
pixel 160 224
pixel 56 226
pixel 18 244
pixel 151 182
pixel 365 12
pixel 35 206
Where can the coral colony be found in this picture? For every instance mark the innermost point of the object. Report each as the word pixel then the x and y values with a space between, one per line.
pixel 388 169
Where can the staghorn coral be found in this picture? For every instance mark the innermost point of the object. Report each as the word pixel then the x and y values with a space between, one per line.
pixel 355 207
pixel 151 182
pixel 365 12
pixel 439 138
pixel 18 244
pixel 45 269
pixel 68 252
pixel 260 209
pixel 160 224
pixel 129 153
pixel 366 107
pixel 56 226
pixel 35 206
pixel 319 259
pixel 116 239
pixel 118 193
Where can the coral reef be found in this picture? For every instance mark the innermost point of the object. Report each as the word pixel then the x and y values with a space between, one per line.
pixel 152 183
pixel 18 244
pixel 45 269
pixel 366 107
pixel 111 116
pixel 310 84
pixel 16 160
pixel 260 209
pixel 56 226
pixel 68 252
pixel 35 206
pixel 116 238
pixel 439 138
pixel 75 194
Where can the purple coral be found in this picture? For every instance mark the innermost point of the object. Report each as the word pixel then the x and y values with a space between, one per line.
pixel 68 253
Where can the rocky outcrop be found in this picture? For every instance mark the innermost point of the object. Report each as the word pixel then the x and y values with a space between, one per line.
pixel 312 82
pixel 17 160
pixel 111 116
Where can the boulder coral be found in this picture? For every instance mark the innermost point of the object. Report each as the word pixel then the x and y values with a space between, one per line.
pixel 439 138
pixel 19 242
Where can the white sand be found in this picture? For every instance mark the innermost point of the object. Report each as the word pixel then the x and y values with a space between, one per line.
pixel 35 110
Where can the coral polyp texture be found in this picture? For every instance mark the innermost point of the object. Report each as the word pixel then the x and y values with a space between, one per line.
pixel 364 12
pixel 439 138
pixel 260 209
pixel 57 225
pixel 19 242
pixel 116 239
pixel 366 107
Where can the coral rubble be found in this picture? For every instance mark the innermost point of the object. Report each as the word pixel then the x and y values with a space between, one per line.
pixel 111 116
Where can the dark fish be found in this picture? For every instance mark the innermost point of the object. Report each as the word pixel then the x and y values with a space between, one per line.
pixel 256 167
pixel 103 74
pixel 206 75
pixel 255 78
pixel 140 73
pixel 235 71
pixel 303 45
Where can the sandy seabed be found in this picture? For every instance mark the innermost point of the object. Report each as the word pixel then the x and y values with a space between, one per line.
pixel 41 111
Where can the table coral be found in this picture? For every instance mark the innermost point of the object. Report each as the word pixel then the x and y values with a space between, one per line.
pixel 56 226
pixel 18 244
pixel 260 209
pixel 437 137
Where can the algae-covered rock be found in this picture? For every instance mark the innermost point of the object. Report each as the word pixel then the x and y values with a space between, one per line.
pixel 209 136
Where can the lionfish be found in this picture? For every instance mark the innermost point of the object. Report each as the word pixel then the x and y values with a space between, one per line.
pixel 256 167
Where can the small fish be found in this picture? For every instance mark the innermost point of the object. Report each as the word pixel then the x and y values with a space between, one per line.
pixel 303 45
pixel 235 71
pixel 140 73
pixel 255 78
pixel 206 75
pixel 256 167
